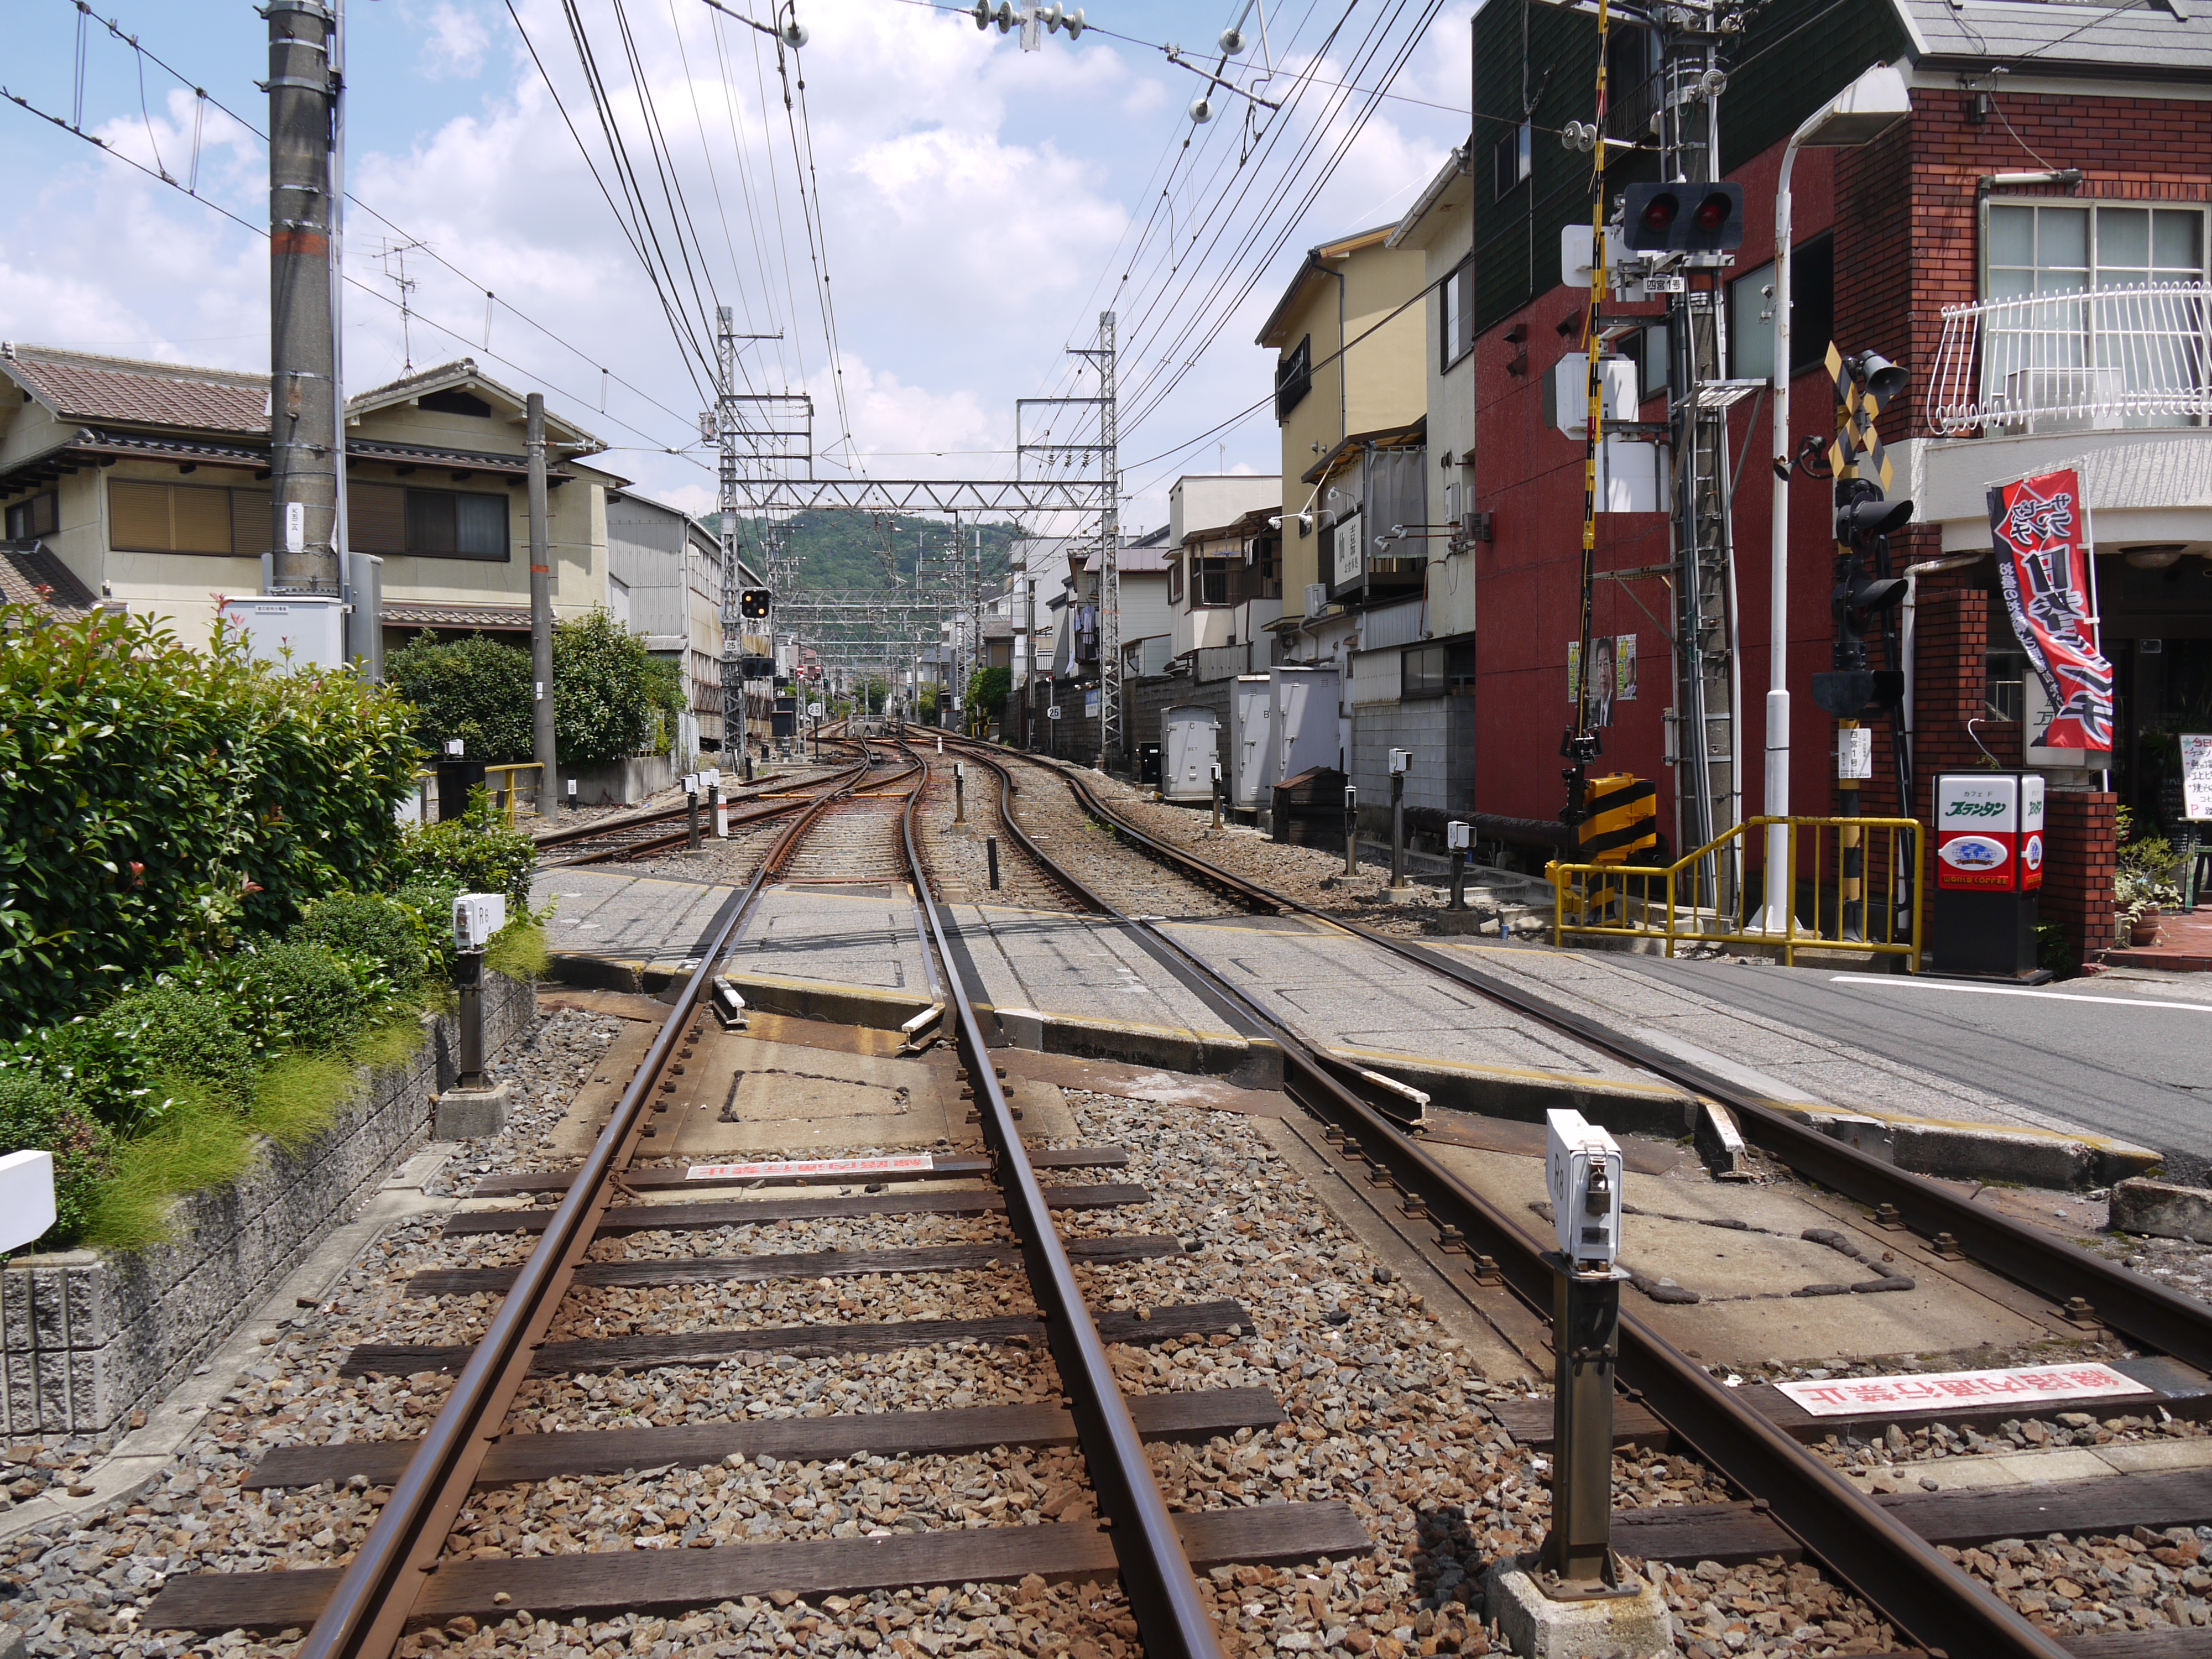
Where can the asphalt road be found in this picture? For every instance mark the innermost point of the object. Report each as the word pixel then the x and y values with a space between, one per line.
pixel 2128 1058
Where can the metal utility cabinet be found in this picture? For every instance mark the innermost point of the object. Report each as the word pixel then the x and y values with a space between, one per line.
pixel 1189 740
pixel 1252 772
pixel 1306 733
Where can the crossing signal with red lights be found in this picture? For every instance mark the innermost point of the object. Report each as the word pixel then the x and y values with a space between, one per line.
pixel 1683 218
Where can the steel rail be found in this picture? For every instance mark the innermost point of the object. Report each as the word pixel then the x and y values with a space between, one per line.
pixel 1164 1595
pixel 368 1611
pixel 1893 1568
pixel 2148 1313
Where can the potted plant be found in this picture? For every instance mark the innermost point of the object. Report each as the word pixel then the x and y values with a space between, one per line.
pixel 2142 884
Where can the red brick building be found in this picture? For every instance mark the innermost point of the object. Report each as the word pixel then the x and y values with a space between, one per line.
pixel 1973 198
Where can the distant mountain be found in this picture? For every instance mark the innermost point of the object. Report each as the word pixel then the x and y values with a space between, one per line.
pixel 866 552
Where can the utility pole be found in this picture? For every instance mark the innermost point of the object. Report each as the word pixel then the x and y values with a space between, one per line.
pixel 722 426
pixel 304 435
pixel 1109 562
pixel 541 613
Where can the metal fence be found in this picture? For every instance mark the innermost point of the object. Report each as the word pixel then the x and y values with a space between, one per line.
pixel 2091 360
pixel 1659 904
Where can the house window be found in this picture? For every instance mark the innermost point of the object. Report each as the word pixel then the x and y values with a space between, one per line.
pixel 163 518
pixel 1437 670
pixel 1174 580
pixel 1293 378
pixel 2035 247
pixel 1267 568
pixel 1511 160
pixel 1455 310
pixel 1210 583
pixel 1812 312
pixel 38 516
pixel 2005 682
pixel 436 524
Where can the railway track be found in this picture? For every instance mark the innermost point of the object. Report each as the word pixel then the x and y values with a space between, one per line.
pixel 643 835
pixel 404 1574
pixel 1795 1492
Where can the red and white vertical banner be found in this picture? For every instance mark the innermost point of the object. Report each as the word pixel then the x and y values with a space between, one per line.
pixel 2040 525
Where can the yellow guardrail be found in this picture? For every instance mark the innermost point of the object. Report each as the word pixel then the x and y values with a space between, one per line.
pixel 1868 882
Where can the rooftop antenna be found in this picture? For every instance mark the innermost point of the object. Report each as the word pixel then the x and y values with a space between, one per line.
pixel 393 258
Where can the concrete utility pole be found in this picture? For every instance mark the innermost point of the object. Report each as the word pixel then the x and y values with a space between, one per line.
pixel 541 613
pixel 1109 561
pixel 304 433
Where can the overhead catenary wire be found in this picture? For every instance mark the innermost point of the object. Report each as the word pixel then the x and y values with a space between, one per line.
pixel 101 144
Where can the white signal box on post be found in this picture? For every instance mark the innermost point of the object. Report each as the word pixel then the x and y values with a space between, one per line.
pixel 476 917
pixel 27 1198
pixel 1456 836
pixel 1581 1171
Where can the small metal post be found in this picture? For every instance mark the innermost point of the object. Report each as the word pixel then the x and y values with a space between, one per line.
pixel 468 982
pixel 749 766
pixel 691 814
pixel 1851 911
pixel 1351 830
pixel 959 793
pixel 1586 1330
pixel 1397 829
pixel 715 816
pixel 1217 794
pixel 991 850
pixel 1459 879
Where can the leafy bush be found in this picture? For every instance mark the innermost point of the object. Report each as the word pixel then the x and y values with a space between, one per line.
pixel 603 694
pixel 385 929
pixel 324 1003
pixel 477 690
pixel 610 699
pixel 156 800
pixel 477 853
pixel 988 691
pixel 192 1036
pixel 36 1114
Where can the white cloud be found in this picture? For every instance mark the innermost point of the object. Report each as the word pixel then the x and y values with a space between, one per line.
pixel 454 44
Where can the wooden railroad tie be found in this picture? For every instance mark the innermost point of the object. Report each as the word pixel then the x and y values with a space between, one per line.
pixel 1197 1414
pixel 713 1347
pixel 738 1213
pixel 804 1264
pixel 602 1584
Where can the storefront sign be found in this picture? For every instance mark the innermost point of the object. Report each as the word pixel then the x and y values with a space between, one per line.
pixel 2196 775
pixel 2040 525
pixel 1977 829
pixel 1347 564
pixel 1091 703
pixel 2030 832
pixel 1933 1390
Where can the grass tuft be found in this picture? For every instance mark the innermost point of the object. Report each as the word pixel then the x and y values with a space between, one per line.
pixel 199 1143
pixel 519 952
pixel 297 1096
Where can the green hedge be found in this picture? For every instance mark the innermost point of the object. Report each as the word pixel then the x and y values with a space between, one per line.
pixel 157 801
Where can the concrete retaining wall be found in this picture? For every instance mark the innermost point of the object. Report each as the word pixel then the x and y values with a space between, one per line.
pixel 620 783
pixel 91 1336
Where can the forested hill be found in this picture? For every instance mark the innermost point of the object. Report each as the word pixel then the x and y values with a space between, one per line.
pixel 864 551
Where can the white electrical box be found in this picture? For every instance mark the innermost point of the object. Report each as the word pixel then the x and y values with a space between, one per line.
pixel 1567 399
pixel 1456 837
pixel 476 917
pixel 297 631
pixel 27 1198
pixel 1401 762
pixel 710 779
pixel 1189 738
pixel 1582 1169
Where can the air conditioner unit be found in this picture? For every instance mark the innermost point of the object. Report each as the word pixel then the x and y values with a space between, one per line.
pixel 1316 598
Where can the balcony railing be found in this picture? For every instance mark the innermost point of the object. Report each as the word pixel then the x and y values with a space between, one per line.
pixel 2095 360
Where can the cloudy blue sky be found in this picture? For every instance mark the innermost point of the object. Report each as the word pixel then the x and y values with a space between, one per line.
pixel 978 205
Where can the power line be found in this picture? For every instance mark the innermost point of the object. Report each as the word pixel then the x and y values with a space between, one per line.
pixel 146 54
pixel 107 148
